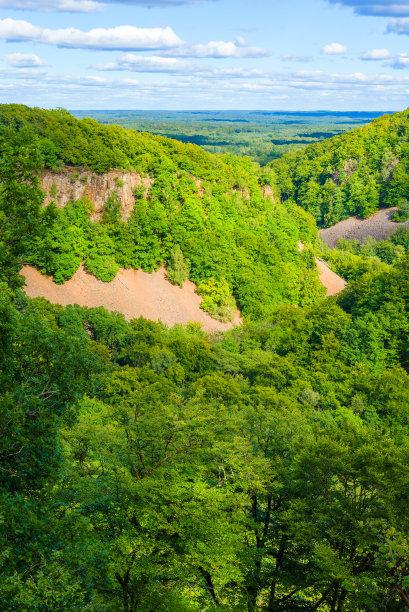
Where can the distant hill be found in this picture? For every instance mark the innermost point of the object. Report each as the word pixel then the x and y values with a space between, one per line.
pixel 352 174
pixel 262 135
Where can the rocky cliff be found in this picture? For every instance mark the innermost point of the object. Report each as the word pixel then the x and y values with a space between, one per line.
pixel 73 183
pixel 76 183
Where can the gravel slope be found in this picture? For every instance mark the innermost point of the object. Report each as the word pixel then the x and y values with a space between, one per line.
pixel 134 293
pixel 333 283
pixel 379 226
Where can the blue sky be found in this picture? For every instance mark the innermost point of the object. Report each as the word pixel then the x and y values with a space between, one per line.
pixel 205 54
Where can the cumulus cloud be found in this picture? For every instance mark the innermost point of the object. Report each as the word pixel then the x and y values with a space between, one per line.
pixel 86 6
pixel 334 49
pixel 400 61
pixel 376 55
pixel 220 49
pixel 379 8
pixel 24 60
pixel 126 38
pixel 119 38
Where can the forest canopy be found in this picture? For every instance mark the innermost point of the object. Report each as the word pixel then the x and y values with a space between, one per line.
pixel 149 469
pixel 352 174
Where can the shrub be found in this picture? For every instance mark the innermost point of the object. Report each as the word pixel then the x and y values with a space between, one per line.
pixel 402 214
pixel 178 268
pixel 217 299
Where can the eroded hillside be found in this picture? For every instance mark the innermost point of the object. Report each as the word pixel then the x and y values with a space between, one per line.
pixel 211 219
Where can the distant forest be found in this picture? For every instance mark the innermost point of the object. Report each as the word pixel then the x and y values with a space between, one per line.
pixel 263 135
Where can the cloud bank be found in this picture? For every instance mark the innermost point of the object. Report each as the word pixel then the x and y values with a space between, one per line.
pixel 176 67
pixel 126 38
pixel 121 38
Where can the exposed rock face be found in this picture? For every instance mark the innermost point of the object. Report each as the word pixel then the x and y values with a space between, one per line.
pixel 268 192
pixel 76 183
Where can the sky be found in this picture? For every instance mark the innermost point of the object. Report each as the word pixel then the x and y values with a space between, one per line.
pixel 205 54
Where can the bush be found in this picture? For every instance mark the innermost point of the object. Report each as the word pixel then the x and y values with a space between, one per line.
pixel 402 214
pixel 178 268
pixel 217 299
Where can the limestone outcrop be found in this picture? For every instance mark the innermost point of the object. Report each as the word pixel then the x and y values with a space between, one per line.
pixel 75 183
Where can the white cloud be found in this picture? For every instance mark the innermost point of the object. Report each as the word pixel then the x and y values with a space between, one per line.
pixel 24 60
pixel 398 62
pixel 379 8
pixel 399 26
pixel 206 91
pixel 334 49
pixel 357 81
pixel 126 38
pixel 169 65
pixel 85 6
pixel 401 61
pixel 119 38
pixel 138 63
pixel 241 42
pixel 376 54
pixel 220 49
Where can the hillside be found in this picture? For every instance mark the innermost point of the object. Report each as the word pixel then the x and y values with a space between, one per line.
pixel 379 226
pixel 133 293
pixel 146 468
pixel 203 216
pixel 352 174
pixel 262 135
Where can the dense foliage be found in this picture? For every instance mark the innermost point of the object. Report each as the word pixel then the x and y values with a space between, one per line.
pixel 352 174
pixel 211 208
pixel 351 259
pixel 144 468
pixel 265 470
pixel 20 200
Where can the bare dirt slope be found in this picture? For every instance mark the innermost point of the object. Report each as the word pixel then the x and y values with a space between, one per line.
pixel 134 293
pixel 379 226
pixel 333 283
